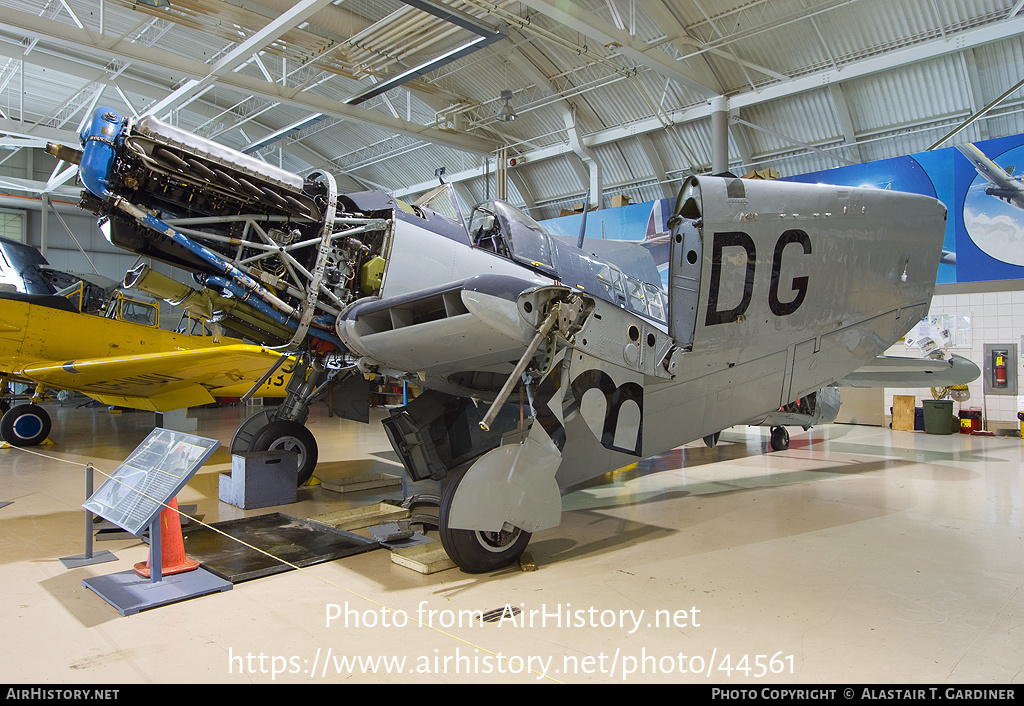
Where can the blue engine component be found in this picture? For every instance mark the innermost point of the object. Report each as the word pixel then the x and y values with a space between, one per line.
pixel 98 151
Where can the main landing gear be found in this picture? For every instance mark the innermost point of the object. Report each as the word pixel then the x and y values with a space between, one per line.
pixel 475 551
pixel 285 427
pixel 25 425
pixel 780 439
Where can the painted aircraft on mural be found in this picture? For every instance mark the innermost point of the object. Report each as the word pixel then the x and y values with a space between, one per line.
pixel 994 225
pixel 544 364
pixel 1001 182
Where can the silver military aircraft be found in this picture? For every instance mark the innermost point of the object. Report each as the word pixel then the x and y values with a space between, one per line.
pixel 546 362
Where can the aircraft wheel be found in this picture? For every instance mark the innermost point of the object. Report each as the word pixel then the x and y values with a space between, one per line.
pixel 711 440
pixel 474 551
pixel 291 436
pixel 780 438
pixel 25 425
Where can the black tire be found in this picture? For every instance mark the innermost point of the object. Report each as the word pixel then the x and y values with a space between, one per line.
pixel 711 440
pixel 283 434
pixel 25 425
pixel 780 438
pixel 474 551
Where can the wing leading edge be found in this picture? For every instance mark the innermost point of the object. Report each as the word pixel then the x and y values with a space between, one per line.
pixel 162 381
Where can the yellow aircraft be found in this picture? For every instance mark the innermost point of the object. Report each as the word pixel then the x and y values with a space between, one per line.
pixel 45 341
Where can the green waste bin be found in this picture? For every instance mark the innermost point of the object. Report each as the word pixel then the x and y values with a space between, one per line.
pixel 938 416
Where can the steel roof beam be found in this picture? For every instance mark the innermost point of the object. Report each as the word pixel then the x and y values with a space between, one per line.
pixel 681 40
pixel 244 51
pixel 845 120
pixel 986 34
pixel 657 165
pixel 196 71
pixel 570 15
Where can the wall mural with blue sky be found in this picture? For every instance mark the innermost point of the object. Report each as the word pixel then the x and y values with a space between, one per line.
pixel 976 182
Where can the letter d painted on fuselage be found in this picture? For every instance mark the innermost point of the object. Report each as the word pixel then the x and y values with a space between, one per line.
pixel 731 240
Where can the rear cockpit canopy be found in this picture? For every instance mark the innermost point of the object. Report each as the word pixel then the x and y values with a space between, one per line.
pixel 622 273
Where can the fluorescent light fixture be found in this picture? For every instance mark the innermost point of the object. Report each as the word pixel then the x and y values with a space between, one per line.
pixel 423 69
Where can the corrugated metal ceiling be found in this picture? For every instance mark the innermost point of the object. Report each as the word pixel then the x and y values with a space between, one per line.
pixel 617 86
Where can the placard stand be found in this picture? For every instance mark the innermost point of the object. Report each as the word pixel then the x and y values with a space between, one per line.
pixel 130 593
pixel 134 497
pixel 88 558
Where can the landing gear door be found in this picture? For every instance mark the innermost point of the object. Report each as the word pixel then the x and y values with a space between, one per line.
pixel 685 258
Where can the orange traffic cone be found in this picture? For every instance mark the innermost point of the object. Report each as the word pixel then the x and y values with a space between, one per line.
pixel 172 546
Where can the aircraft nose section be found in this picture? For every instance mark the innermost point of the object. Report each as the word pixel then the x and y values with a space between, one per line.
pixel 432 329
pixel 493 299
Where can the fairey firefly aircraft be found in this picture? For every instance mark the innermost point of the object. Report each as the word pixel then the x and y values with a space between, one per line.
pixel 545 365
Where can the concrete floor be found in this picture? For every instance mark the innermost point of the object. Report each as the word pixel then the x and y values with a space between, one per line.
pixel 860 555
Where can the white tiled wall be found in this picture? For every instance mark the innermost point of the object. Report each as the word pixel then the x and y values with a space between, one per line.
pixel 996 317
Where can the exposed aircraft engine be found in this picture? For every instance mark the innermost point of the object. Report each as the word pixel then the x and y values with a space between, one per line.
pixel 251 233
pixel 277 257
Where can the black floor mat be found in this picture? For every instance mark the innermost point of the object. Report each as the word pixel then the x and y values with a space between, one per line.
pixel 299 542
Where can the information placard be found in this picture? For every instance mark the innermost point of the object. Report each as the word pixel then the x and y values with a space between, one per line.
pixel 149 478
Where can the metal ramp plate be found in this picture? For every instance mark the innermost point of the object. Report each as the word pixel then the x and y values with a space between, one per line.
pixel 299 542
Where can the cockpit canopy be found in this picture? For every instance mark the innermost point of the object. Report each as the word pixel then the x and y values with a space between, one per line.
pixel 505 230
pixel 501 228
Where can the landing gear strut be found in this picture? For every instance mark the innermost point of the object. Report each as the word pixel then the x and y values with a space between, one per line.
pixel 285 428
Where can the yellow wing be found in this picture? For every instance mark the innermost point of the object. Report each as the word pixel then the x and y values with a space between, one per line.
pixel 164 381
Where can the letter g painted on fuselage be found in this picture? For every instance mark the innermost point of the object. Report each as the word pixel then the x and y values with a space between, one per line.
pixel 799 284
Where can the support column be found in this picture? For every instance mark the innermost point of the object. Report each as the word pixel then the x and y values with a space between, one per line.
pixel 719 134
pixel 43 224
pixel 501 174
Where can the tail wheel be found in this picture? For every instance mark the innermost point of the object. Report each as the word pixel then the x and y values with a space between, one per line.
pixel 711 440
pixel 289 436
pixel 477 551
pixel 25 425
pixel 780 438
